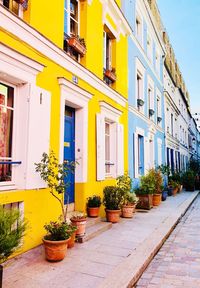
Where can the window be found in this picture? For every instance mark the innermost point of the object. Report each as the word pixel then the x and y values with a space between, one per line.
pixel 108 46
pixel 149 48
pixel 172 124
pixel 110 143
pixel 107 147
pixel 140 155
pixel 12 5
pixel 71 20
pixel 157 63
pixel 6 131
pixel 139 90
pixel 138 28
pixel 159 114
pixel 151 102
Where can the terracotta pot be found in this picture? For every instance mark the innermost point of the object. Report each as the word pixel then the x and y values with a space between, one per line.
pixel 55 250
pixel 157 199
pixel 145 201
pixel 80 224
pixel 128 210
pixel 113 215
pixel 21 1
pixel 77 45
pixel 174 191
pixel 111 75
pixel 93 211
pixel 71 240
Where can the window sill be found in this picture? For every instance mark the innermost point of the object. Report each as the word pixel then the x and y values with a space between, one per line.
pixel 6 187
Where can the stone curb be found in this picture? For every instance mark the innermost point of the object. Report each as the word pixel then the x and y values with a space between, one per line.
pixel 126 274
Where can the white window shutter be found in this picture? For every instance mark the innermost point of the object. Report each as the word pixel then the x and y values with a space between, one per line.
pixel 100 137
pixel 38 134
pixel 120 149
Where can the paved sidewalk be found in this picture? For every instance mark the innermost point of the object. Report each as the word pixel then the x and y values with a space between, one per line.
pixel 111 259
pixel 178 262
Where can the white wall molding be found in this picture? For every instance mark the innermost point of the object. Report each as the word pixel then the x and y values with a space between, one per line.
pixel 75 97
pixel 36 40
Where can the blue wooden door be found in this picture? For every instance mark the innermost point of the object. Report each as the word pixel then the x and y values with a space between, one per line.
pixel 69 150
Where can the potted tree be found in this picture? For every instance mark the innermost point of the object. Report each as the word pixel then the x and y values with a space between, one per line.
pixel 174 186
pixel 79 220
pixel 93 205
pixel 54 174
pixel 113 199
pixel 157 195
pixel 145 192
pixel 124 182
pixel 189 180
pixel 10 234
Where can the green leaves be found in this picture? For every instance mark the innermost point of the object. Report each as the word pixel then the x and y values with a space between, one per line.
pixel 12 229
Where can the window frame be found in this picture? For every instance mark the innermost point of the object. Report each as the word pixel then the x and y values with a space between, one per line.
pixel 67 12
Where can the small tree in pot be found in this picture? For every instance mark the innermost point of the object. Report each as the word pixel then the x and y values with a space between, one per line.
pixel 157 195
pixel 113 199
pixel 145 191
pixel 54 174
pixel 93 205
pixel 124 182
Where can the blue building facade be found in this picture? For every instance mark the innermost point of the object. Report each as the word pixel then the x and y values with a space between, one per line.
pixel 146 99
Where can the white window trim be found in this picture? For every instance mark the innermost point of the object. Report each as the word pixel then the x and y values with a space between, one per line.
pixel 139 69
pixel 149 48
pixel 138 131
pixel 19 72
pixel 140 38
pixel 75 97
pixel 150 85
pixel 68 18
pixel 159 145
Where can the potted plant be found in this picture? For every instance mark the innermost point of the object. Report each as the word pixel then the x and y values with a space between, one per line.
pixel 79 220
pixel 157 195
pixel 159 119
pixel 54 174
pixel 140 102
pixel 128 207
pixel 164 194
pixel 110 74
pixel 145 191
pixel 78 44
pixel 113 199
pixel 124 182
pixel 174 185
pixel 56 240
pixel 93 206
pixel 10 234
pixel 151 112
pixel 72 231
pixel 189 180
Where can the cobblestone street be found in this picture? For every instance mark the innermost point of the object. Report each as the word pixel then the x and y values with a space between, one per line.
pixel 178 261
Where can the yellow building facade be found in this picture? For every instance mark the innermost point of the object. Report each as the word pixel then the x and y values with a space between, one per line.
pixel 63 86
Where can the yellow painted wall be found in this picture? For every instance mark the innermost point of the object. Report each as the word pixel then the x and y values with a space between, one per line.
pixel 40 206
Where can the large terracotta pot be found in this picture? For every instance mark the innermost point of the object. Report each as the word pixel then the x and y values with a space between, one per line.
pixel 80 224
pixel 128 210
pixel 145 201
pixel 113 215
pixel 71 240
pixel 156 199
pixel 93 211
pixel 55 250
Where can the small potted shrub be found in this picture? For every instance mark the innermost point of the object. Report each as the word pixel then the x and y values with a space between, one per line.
pixel 93 206
pixel 174 185
pixel 72 231
pixel 157 195
pixel 145 192
pixel 189 180
pixel 56 240
pixel 10 234
pixel 113 199
pixel 79 220
pixel 128 207
pixel 124 182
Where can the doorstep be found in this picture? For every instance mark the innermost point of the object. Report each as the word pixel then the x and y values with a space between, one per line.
pixel 94 227
pixel 115 258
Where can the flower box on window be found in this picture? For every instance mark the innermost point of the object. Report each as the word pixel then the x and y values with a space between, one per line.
pixel 151 112
pixel 140 102
pixel 110 74
pixel 24 3
pixel 78 44
pixel 159 119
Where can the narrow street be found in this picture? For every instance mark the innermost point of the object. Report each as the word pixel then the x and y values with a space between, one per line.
pixel 178 261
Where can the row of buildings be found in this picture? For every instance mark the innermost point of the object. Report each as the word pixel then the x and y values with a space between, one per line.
pixel 97 82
